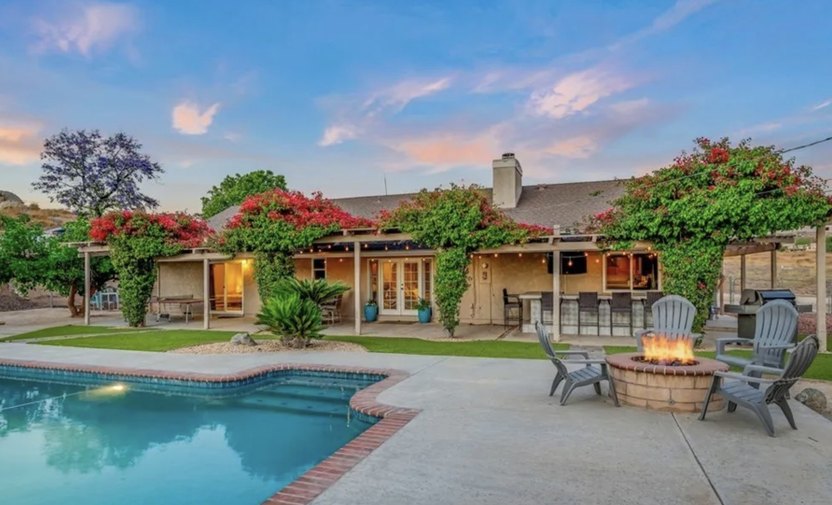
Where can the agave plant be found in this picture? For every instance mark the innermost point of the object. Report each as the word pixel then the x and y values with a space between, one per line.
pixel 319 291
pixel 295 319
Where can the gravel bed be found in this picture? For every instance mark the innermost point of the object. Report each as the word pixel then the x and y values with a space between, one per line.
pixel 267 346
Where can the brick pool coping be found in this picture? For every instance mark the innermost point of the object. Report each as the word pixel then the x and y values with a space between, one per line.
pixel 319 478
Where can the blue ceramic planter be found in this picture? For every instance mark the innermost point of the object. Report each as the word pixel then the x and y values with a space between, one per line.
pixel 370 313
pixel 424 315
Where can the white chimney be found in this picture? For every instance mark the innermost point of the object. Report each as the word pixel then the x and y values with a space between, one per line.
pixel 507 177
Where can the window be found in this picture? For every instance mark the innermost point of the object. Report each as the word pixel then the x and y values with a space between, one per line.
pixel 618 271
pixel 319 268
pixel 645 271
pixel 637 271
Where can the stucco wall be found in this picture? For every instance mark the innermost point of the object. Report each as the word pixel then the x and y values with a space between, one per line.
pixel 483 302
pixel 179 279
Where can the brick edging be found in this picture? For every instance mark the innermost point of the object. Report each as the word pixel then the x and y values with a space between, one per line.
pixel 319 478
pixel 703 367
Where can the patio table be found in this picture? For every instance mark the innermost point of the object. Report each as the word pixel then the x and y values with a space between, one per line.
pixel 185 305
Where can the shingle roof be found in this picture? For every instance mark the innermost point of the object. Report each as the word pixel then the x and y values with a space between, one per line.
pixel 564 204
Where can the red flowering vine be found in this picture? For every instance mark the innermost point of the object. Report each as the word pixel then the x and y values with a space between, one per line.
pixel 180 229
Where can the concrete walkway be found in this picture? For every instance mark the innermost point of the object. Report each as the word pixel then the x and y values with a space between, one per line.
pixel 489 434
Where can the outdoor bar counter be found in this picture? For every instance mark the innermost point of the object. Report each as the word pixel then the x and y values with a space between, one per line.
pixel 533 313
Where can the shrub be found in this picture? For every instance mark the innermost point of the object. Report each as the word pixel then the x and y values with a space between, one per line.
pixel 319 291
pixel 691 210
pixel 296 320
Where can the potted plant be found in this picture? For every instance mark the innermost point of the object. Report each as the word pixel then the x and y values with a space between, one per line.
pixel 423 306
pixel 371 310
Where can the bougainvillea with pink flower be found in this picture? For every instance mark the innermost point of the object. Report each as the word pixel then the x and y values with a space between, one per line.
pixel 276 224
pixel 136 239
pixel 456 222
pixel 694 208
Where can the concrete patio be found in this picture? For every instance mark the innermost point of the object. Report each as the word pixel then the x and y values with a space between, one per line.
pixel 489 434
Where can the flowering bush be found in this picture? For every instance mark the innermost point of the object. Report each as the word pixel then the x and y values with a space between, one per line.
pixel 135 240
pixel 456 222
pixel 276 224
pixel 692 209
pixel 180 229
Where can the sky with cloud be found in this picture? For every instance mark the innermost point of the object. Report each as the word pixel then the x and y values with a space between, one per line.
pixel 339 96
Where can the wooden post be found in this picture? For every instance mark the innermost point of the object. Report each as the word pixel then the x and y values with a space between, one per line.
pixel 820 330
pixel 773 268
pixel 742 273
pixel 356 258
pixel 556 295
pixel 206 294
pixel 87 287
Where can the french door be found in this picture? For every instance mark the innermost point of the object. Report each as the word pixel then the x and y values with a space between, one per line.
pixel 227 287
pixel 403 282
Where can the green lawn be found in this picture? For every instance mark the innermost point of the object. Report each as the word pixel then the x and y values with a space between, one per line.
pixel 70 329
pixel 160 340
pixel 821 369
pixel 475 348
pixel 152 340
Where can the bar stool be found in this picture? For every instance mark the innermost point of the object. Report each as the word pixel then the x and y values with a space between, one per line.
pixel 621 303
pixel 511 303
pixel 652 297
pixel 588 302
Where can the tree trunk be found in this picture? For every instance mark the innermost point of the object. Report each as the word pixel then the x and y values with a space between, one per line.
pixel 70 302
pixel 76 310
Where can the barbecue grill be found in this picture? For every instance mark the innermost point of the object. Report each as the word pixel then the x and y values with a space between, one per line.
pixel 751 300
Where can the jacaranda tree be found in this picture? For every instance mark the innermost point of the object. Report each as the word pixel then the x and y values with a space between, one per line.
pixel 90 174
pixel 692 209
pixel 135 240
pixel 277 224
pixel 455 222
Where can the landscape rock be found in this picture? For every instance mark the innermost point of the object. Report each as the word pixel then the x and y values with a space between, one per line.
pixel 242 339
pixel 812 398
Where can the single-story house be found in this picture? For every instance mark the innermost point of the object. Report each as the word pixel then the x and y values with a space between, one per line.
pixel 547 274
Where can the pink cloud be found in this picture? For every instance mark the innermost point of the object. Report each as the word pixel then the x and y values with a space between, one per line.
pixel 447 150
pixel 189 119
pixel 19 145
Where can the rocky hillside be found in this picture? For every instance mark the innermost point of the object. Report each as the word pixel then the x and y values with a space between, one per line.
pixel 11 205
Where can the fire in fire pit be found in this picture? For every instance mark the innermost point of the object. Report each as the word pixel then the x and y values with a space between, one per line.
pixel 667 350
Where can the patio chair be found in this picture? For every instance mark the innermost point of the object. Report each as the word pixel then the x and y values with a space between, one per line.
pixel 589 374
pixel 673 317
pixel 621 303
pixel 588 302
pixel 331 310
pixel 650 300
pixel 744 389
pixel 773 335
pixel 511 305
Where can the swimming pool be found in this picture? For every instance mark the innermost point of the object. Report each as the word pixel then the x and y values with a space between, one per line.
pixel 102 439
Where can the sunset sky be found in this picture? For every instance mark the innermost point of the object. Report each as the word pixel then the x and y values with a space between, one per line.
pixel 337 95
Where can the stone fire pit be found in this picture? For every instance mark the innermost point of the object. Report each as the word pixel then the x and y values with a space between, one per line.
pixel 669 388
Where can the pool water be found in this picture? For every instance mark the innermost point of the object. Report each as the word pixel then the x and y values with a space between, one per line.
pixel 119 443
